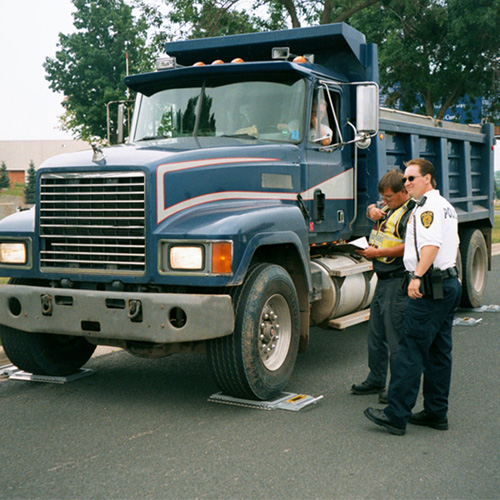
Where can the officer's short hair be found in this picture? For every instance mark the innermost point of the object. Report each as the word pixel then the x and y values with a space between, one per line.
pixel 393 179
pixel 425 167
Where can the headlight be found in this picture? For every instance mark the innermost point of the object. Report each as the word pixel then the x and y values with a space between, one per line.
pixel 186 258
pixel 195 257
pixel 12 253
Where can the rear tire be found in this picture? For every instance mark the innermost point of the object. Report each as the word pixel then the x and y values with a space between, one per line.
pixel 257 360
pixel 474 267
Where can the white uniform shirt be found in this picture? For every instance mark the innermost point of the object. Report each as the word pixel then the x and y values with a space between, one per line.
pixel 437 225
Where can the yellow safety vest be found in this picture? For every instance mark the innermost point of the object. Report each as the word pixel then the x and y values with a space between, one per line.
pixel 385 234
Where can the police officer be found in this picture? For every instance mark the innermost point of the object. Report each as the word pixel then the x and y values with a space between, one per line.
pixel 431 246
pixel 388 306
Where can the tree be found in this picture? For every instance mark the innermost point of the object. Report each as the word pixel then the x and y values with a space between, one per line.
pixel 207 18
pixel 497 189
pixel 321 11
pixel 181 19
pixel 4 177
pixel 30 189
pixel 434 52
pixel 90 65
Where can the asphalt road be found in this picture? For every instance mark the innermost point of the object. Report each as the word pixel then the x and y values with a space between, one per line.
pixel 144 429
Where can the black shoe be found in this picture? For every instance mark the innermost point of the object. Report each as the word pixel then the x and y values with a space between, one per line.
pixel 380 418
pixel 382 398
pixel 423 418
pixel 366 388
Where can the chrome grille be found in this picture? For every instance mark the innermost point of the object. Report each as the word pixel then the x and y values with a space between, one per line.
pixel 93 222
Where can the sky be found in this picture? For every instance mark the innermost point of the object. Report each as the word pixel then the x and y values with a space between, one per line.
pixel 29 32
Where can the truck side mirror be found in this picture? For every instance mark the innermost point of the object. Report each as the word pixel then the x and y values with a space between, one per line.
pixel 121 111
pixel 367 109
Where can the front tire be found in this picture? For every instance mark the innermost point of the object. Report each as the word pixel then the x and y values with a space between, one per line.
pixel 257 360
pixel 45 354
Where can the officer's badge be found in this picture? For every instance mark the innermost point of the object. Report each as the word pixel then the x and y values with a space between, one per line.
pixel 427 218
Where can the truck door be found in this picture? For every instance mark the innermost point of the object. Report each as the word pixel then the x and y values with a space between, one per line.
pixel 328 180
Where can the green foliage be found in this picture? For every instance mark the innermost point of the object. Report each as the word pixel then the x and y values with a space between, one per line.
pixel 433 52
pixel 495 233
pixel 30 189
pixel 16 190
pixel 4 177
pixel 179 19
pixel 90 65
pixel 497 185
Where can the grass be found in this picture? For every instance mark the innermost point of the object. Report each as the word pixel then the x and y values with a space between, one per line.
pixel 495 233
pixel 15 190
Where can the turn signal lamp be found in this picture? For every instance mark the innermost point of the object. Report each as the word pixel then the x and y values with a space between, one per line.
pixel 221 257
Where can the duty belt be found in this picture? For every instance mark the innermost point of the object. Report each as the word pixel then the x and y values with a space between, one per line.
pixel 390 276
pixel 451 272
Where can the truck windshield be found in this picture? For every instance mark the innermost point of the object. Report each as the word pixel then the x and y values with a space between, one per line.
pixel 258 109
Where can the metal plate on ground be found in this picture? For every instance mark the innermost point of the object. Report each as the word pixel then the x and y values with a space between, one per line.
pixel 29 377
pixel 6 371
pixel 466 321
pixel 285 401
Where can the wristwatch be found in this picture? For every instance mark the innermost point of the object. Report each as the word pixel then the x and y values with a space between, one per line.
pixel 414 276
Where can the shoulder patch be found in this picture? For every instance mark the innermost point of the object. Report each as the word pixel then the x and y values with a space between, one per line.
pixel 427 218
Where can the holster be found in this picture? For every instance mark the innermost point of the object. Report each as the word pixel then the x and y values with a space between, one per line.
pixel 433 284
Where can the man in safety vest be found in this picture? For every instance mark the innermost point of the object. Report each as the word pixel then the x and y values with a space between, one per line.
pixel 389 302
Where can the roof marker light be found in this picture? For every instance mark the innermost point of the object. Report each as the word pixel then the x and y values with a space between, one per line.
pixel 218 61
pixel 280 53
pixel 166 62
pixel 199 63
pixel 237 60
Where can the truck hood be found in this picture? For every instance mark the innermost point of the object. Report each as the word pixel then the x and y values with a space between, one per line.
pixel 181 181
pixel 151 156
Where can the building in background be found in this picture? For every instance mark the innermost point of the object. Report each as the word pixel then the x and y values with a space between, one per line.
pixel 17 155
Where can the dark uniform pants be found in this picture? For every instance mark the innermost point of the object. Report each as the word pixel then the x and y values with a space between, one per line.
pixel 387 312
pixel 425 347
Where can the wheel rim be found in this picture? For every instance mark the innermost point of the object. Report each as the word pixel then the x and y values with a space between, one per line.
pixel 275 332
pixel 478 270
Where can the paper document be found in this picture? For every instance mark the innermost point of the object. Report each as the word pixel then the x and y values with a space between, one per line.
pixel 352 246
pixel 359 243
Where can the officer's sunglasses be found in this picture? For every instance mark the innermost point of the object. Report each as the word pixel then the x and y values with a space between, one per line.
pixel 411 178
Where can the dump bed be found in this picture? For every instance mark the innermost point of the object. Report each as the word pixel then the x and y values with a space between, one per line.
pixel 461 154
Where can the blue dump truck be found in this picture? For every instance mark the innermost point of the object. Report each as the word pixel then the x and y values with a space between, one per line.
pixel 224 224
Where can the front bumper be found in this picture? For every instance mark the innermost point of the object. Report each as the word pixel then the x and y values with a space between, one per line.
pixel 149 317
